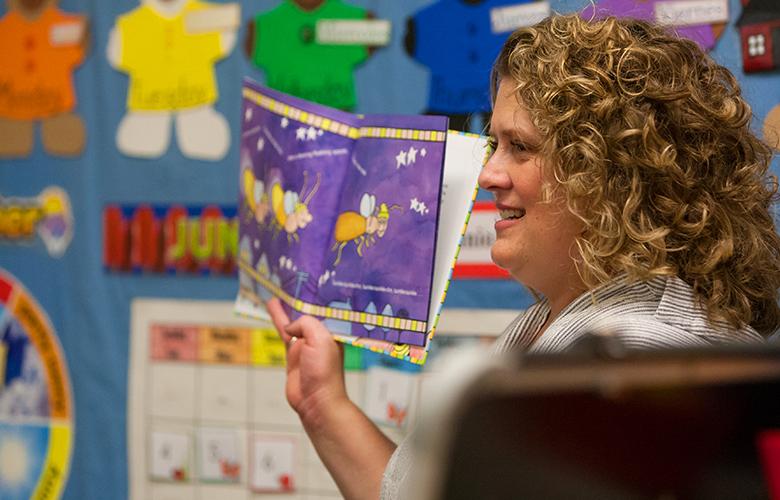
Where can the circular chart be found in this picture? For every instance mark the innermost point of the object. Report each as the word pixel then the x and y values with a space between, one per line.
pixel 36 408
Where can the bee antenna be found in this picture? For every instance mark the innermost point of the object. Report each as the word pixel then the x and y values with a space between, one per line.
pixel 313 190
pixel 397 207
pixel 305 178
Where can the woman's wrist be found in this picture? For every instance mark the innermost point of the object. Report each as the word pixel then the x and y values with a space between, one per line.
pixel 325 408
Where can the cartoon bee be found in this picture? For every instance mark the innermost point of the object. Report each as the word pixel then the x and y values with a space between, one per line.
pixel 361 228
pixel 289 212
pixel 256 197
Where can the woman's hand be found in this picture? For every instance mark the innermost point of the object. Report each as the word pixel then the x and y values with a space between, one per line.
pixel 315 364
pixel 353 449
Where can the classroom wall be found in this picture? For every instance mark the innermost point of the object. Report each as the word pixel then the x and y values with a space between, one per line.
pixel 90 309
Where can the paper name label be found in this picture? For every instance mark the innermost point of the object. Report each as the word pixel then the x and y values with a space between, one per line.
pixel 689 12
pixel 222 18
pixel 505 19
pixel 353 32
pixel 66 34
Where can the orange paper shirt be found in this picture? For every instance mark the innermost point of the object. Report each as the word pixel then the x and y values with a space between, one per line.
pixel 36 75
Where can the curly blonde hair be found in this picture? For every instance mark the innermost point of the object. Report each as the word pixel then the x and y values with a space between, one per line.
pixel 649 140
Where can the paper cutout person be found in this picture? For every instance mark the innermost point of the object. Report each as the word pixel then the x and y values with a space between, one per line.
pixel 759 32
pixel 168 48
pixel 706 35
pixel 41 46
pixel 282 43
pixel 456 41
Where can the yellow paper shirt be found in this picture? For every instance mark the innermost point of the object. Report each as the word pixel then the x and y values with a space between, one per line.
pixel 169 68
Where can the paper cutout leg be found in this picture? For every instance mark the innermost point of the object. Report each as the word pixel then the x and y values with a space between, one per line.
pixel 202 133
pixel 63 135
pixel 144 134
pixel 16 138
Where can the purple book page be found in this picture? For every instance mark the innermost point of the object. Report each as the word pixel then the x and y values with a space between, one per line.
pixel 380 256
pixel 294 155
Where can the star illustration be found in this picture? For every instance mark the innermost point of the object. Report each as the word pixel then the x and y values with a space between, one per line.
pixel 411 155
pixel 423 208
pixel 311 133
pixel 423 152
pixel 415 203
pixel 300 134
pixel 248 114
pixel 260 144
pixel 285 122
pixel 400 159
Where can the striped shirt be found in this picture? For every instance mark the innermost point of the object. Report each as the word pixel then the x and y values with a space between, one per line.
pixel 659 313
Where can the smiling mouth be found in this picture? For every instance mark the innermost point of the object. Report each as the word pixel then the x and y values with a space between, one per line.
pixel 513 214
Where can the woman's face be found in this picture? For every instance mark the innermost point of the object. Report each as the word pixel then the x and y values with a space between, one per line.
pixel 534 239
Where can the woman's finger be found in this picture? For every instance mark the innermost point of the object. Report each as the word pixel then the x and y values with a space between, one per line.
pixel 279 318
pixel 307 327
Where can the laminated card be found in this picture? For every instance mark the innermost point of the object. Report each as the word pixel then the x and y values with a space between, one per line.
pixel 354 219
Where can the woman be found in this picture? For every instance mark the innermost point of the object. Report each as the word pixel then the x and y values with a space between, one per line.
pixel 633 198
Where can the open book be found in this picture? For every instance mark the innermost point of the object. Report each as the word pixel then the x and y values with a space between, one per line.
pixel 354 219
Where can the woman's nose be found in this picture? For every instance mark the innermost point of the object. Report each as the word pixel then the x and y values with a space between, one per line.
pixel 493 176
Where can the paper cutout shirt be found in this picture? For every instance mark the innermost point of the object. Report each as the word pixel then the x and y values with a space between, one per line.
pixel 456 41
pixel 703 34
pixel 294 63
pixel 170 69
pixel 36 76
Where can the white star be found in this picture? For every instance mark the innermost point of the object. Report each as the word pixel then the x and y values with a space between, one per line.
pixel 400 159
pixel 260 144
pixel 320 132
pixel 411 155
pixel 300 134
pixel 248 114
pixel 423 209
pixel 285 122
pixel 311 134
pixel 414 204
pixel 257 243
pixel 423 152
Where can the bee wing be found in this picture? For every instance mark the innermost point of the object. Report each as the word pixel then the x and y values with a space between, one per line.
pixel 259 190
pixel 367 204
pixel 290 200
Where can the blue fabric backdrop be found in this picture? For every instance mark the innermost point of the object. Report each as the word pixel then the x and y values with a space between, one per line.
pixel 90 309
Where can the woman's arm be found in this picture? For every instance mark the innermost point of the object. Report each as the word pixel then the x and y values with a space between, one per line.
pixel 353 449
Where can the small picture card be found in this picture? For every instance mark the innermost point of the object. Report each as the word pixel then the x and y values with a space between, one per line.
pixel 691 12
pixel 273 464
pixel 218 18
pixel 170 460
pixel 389 395
pixel 509 18
pixel 374 32
pixel 69 33
pixel 219 455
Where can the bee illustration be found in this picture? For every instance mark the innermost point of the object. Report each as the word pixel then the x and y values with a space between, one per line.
pixel 362 228
pixel 290 213
pixel 256 197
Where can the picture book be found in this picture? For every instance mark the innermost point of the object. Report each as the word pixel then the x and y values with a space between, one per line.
pixel 353 219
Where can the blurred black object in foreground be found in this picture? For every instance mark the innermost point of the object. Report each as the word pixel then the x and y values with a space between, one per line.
pixel 605 423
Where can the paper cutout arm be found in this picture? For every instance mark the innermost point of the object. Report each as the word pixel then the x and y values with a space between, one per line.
pixel 114 48
pixel 410 37
pixel 249 39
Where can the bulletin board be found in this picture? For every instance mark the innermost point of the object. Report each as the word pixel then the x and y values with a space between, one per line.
pixel 107 148
pixel 207 415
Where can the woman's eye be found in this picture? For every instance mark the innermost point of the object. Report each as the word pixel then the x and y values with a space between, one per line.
pixel 519 146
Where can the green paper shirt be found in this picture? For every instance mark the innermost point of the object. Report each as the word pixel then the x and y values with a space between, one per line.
pixel 285 48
